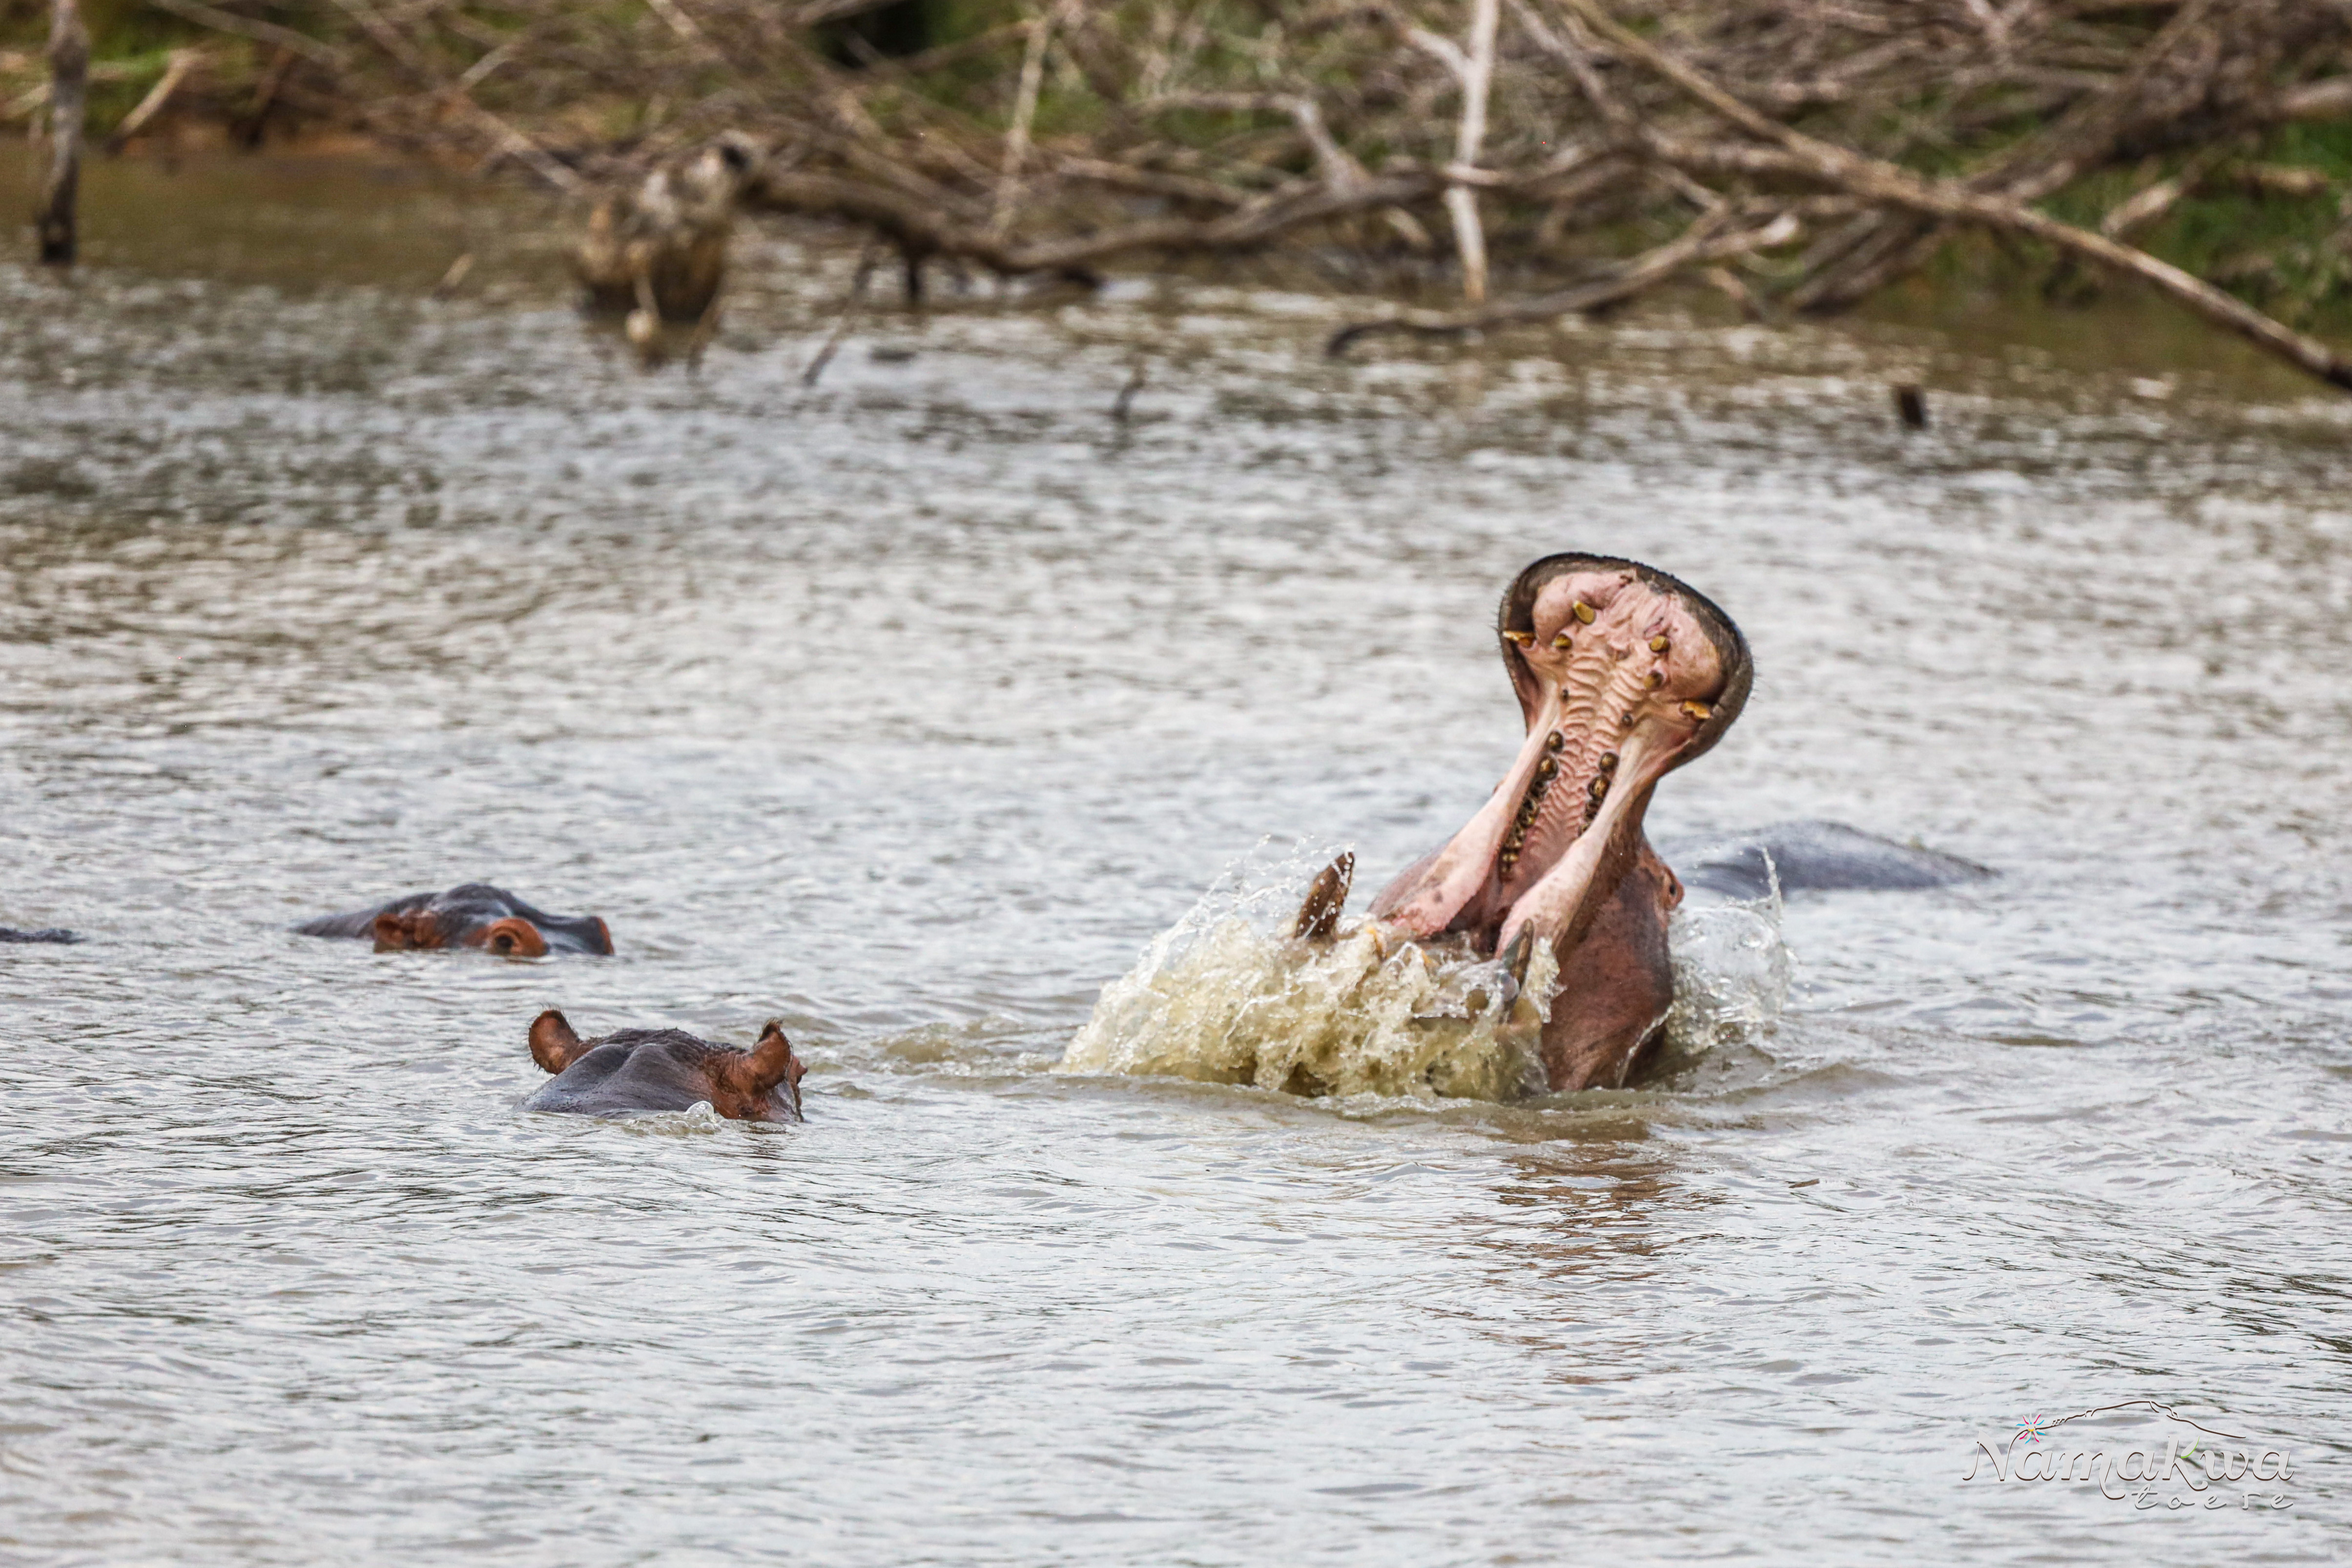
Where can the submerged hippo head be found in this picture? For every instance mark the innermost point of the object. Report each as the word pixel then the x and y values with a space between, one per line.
pixel 473 915
pixel 1623 674
pixel 664 1069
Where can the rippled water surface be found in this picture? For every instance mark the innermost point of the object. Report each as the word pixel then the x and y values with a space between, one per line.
pixel 911 708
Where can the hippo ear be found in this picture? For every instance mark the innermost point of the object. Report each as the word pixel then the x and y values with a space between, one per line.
pixel 394 932
pixel 554 1045
pixel 771 1062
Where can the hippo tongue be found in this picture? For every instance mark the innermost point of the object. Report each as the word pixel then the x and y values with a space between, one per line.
pixel 1622 674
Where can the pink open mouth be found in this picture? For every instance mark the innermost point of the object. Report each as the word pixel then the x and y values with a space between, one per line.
pixel 1623 674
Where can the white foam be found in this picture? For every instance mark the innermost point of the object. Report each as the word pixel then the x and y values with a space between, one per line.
pixel 1221 996
pixel 1731 972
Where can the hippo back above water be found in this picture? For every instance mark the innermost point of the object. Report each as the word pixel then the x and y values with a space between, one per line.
pixel 472 915
pixel 1813 856
pixel 635 1070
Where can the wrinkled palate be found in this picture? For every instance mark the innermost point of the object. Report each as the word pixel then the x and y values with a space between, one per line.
pixel 1622 674
pixel 1617 678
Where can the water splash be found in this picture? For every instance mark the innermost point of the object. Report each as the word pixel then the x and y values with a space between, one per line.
pixel 1224 996
pixel 699 1119
pixel 1732 972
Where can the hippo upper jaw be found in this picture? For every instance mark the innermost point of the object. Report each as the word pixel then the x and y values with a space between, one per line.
pixel 1622 674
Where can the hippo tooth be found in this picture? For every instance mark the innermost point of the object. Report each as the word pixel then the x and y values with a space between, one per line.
pixel 1698 710
pixel 1547 767
pixel 1583 612
pixel 1524 639
pixel 1555 742
pixel 1561 640
pixel 1654 679
pixel 1608 761
pixel 1658 645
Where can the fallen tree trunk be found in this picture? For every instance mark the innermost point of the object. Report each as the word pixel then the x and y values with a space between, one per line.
pixel 1535 133
pixel 1703 244
pixel 1876 181
pixel 921 230
pixel 176 71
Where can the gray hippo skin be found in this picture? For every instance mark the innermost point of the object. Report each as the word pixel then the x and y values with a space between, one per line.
pixel 1813 856
pixel 635 1070
pixel 474 914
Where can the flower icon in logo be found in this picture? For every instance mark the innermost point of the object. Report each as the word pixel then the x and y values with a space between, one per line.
pixel 2030 1431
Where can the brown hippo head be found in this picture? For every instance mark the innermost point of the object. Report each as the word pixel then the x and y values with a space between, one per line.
pixel 472 915
pixel 664 1069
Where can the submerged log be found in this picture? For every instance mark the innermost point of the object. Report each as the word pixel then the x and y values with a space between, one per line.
pixel 69 97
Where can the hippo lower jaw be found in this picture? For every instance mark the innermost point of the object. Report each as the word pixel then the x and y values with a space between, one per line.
pixel 1622 674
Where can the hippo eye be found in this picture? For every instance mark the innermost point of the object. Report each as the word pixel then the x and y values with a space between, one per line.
pixel 503 944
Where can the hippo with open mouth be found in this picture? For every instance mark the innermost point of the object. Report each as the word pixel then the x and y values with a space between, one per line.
pixel 1530 952
pixel 1623 674
pixel 635 1070
pixel 472 915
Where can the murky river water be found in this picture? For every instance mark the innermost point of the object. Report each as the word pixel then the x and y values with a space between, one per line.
pixel 911 708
